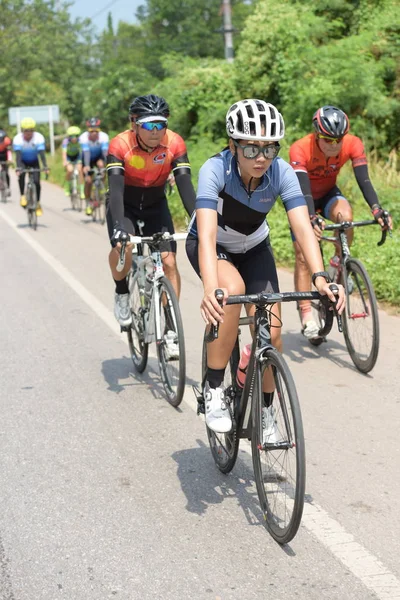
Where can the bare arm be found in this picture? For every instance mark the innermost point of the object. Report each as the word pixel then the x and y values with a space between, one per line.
pixel 300 224
pixel 207 231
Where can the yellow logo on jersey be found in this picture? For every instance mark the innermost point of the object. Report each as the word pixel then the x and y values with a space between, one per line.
pixel 137 162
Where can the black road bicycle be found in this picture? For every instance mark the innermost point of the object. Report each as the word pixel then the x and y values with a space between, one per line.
pixel 360 318
pixel 275 431
pixel 3 181
pixel 156 315
pixel 31 195
pixel 98 196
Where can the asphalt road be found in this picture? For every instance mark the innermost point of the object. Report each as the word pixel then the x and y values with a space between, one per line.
pixel 106 491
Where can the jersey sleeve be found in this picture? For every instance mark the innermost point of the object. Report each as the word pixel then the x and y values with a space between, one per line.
pixel 211 182
pixel 64 144
pixel 17 143
pixel 357 152
pixel 115 157
pixel 41 146
pixel 290 190
pixel 180 162
pixel 104 143
pixel 297 156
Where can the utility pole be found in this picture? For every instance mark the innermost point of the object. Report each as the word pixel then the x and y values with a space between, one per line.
pixel 227 29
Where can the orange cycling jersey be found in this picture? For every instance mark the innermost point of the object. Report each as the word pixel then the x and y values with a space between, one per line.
pixel 147 169
pixel 4 145
pixel 306 156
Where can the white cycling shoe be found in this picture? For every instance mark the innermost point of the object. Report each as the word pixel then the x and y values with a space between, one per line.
pixel 310 330
pixel 269 425
pixel 122 310
pixel 218 418
pixel 171 345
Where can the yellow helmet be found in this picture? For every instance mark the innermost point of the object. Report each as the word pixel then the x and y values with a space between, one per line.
pixel 73 131
pixel 28 123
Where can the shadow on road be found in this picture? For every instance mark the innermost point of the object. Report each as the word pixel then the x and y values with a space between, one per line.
pixel 297 349
pixel 27 226
pixel 204 486
pixel 117 370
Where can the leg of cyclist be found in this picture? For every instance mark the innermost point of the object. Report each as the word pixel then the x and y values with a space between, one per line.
pixel 69 168
pixel 122 310
pixel 21 182
pixel 88 188
pixel 36 179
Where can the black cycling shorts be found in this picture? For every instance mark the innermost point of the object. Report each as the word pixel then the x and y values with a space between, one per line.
pixel 256 266
pixel 156 218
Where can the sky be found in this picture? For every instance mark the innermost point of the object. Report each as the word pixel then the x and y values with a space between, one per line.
pixel 121 10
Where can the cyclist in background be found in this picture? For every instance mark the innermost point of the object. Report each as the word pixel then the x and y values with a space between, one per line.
pixel 138 165
pixel 317 159
pixel 94 144
pixel 28 147
pixel 71 156
pixel 5 156
pixel 228 243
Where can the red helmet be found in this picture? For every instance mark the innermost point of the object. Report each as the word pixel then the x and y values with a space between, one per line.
pixel 331 121
pixel 93 122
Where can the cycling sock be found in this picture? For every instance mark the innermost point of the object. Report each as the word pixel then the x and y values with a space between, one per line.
pixel 121 286
pixel 215 377
pixel 268 398
pixel 306 314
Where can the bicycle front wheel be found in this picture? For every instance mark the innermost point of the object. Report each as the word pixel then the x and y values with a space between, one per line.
pixel 3 186
pixel 171 346
pixel 139 308
pixel 102 205
pixel 361 320
pixel 278 449
pixel 224 446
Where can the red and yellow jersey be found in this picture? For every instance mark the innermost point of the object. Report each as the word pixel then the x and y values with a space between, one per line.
pixel 147 169
pixel 305 155
pixel 4 145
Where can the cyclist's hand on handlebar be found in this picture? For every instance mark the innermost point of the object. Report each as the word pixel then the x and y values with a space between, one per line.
pixel 210 309
pixel 383 217
pixel 120 235
pixel 324 289
pixel 318 224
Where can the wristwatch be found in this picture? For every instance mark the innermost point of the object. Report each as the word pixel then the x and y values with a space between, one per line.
pixel 321 274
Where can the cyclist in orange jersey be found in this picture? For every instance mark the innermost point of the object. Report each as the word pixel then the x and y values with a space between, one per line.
pixel 139 163
pixel 317 159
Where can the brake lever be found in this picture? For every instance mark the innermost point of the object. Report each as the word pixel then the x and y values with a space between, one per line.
pixel 213 333
pixel 121 260
pixel 335 290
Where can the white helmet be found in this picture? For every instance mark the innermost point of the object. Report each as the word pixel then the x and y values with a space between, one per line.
pixel 254 120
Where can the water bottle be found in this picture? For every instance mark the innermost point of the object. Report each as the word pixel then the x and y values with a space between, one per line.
pixel 243 364
pixel 334 264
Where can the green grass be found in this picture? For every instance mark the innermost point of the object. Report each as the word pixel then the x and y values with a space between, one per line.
pixel 382 263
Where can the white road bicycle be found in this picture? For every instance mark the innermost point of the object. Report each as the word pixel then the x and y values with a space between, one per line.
pixel 156 316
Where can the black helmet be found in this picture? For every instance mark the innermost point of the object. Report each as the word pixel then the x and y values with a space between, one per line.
pixel 93 122
pixel 3 135
pixel 331 121
pixel 149 106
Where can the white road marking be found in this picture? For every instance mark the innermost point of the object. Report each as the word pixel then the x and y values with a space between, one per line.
pixel 362 564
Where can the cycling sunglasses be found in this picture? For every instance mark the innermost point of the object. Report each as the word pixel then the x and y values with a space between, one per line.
pixel 252 151
pixel 151 125
pixel 93 130
pixel 330 140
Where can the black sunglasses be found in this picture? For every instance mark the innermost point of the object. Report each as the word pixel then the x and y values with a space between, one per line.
pixel 252 151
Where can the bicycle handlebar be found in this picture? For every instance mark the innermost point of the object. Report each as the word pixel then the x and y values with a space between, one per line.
pixel 152 240
pixel 351 224
pixel 264 299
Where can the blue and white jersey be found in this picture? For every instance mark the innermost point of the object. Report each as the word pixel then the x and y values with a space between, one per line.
pixel 96 148
pixel 29 149
pixel 242 221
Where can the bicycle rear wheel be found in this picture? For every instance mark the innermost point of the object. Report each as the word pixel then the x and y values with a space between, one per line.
pixel 172 368
pixel 278 450
pixel 102 205
pixel 224 446
pixel 3 186
pixel 360 318
pixel 139 307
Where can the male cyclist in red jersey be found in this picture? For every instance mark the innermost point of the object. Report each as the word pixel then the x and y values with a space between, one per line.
pixel 139 162
pixel 317 159
pixel 5 156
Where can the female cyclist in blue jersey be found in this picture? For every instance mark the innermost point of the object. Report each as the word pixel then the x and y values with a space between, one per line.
pixel 228 243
